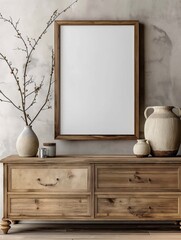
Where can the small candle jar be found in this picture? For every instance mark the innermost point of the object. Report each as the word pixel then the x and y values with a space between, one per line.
pixel 51 149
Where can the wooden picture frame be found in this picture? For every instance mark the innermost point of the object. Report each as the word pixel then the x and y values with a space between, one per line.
pixel 82 50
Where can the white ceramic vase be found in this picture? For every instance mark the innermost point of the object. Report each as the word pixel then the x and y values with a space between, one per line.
pixel 162 130
pixel 27 143
pixel 141 148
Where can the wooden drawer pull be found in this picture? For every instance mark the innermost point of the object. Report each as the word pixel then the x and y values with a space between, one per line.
pixel 47 184
pixel 138 179
pixel 139 213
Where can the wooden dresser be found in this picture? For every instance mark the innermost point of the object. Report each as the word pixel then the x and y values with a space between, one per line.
pixel 92 188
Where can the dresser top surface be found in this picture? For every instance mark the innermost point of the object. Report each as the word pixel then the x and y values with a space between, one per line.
pixel 91 159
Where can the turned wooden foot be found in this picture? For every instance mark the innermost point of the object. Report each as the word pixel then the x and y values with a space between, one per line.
pixel 5 226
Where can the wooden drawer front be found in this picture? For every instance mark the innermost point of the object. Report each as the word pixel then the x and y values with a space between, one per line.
pixel 58 178
pixel 138 207
pixel 62 206
pixel 115 178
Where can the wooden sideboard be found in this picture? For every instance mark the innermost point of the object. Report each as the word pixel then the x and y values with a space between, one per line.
pixel 92 188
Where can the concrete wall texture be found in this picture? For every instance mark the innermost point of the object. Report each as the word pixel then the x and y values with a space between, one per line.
pixel 160 61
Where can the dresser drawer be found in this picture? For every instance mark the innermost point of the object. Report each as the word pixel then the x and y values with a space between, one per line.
pixel 55 206
pixel 136 207
pixel 115 177
pixel 56 178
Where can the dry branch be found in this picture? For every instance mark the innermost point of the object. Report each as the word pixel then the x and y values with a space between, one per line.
pixel 23 84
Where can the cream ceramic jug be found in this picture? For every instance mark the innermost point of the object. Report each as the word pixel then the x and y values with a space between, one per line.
pixel 162 130
pixel 141 148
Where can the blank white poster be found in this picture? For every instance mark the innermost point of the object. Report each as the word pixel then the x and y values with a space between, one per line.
pixel 97 80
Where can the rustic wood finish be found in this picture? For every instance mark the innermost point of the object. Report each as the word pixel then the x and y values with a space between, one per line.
pixel 57 133
pixel 5 226
pixel 117 177
pixel 61 206
pixel 141 207
pixel 95 159
pixel 91 188
pixel 47 179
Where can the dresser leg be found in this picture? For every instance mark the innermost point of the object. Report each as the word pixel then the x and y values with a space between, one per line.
pixel 5 226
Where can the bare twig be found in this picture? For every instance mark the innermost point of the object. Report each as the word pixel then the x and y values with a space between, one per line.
pixel 54 16
pixel 15 26
pixel 9 101
pixel 23 118
pixel 48 92
pixel 35 91
pixel 20 49
pixel 14 72
pixel 29 45
pixel 2 100
pixel 29 81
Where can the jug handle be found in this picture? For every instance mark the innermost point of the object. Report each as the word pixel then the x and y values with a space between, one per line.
pixel 179 111
pixel 145 112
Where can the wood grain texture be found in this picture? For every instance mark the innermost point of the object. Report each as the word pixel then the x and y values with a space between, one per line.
pixel 92 188
pixel 87 159
pixel 61 206
pixel 136 78
pixel 57 76
pixel 59 178
pixel 134 178
pixel 129 206
pixel 5 190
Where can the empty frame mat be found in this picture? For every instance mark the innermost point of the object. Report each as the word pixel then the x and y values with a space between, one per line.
pixel 97 81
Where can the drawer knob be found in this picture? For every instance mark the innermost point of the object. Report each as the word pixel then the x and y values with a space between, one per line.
pixel 137 179
pixel 140 212
pixel 47 184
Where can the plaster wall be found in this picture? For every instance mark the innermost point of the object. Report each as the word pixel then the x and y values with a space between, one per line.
pixel 160 60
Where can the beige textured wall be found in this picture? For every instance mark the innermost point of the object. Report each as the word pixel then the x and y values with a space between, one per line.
pixel 161 83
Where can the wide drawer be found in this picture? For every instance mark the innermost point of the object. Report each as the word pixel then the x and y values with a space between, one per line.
pixel 162 207
pixel 116 177
pixel 54 178
pixel 58 206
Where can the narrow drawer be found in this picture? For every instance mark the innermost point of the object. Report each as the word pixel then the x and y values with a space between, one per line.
pixel 128 178
pixel 56 178
pixel 55 206
pixel 162 207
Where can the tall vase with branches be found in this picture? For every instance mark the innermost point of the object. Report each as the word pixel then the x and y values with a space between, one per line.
pixel 27 88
